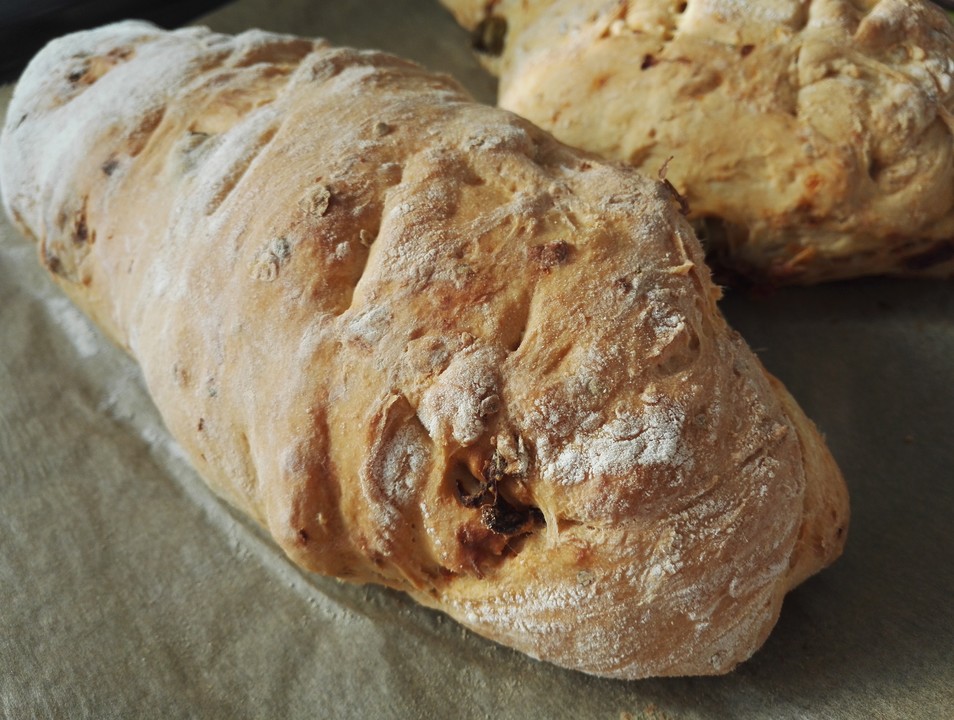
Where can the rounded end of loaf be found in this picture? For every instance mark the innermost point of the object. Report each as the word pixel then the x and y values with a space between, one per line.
pixel 826 514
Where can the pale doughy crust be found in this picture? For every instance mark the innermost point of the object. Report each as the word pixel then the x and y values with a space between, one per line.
pixel 813 140
pixel 425 344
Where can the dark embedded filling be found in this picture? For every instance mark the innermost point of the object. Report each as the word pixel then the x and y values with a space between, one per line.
pixel 490 35
pixel 502 517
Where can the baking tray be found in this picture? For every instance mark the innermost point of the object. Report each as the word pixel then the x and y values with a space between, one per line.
pixel 128 590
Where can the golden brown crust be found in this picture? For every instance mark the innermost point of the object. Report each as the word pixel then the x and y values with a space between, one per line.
pixel 422 342
pixel 812 140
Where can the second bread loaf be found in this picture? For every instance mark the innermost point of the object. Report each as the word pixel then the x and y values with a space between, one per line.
pixel 813 140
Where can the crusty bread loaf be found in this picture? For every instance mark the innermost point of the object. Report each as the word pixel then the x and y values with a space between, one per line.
pixel 425 344
pixel 813 141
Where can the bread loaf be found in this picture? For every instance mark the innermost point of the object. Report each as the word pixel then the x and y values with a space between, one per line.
pixel 813 141
pixel 424 344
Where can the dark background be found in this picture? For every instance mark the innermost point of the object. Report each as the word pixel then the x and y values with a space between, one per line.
pixel 26 25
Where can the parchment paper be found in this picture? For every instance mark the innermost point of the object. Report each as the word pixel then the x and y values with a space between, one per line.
pixel 128 590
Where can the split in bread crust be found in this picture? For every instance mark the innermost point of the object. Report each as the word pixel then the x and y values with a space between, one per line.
pixel 813 140
pixel 425 344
